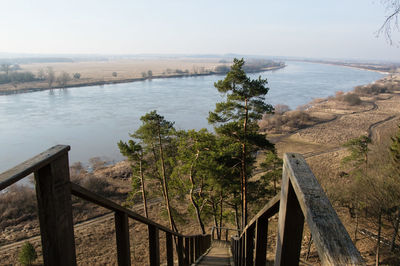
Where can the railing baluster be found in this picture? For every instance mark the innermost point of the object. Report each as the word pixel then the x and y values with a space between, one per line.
pixel 154 246
pixel 196 247
pixel 187 250
pixel 180 251
pixel 53 194
pixel 261 241
pixel 122 237
pixel 191 250
pixel 290 225
pixel 249 240
pixel 170 249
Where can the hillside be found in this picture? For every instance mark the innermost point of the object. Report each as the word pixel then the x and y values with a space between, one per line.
pixel 321 130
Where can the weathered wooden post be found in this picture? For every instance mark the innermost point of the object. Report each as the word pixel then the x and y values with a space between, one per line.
pixel 122 238
pixel 192 250
pixel 249 249
pixel 187 250
pixel 290 223
pixel 53 192
pixel 169 247
pixel 154 246
pixel 261 241
pixel 180 251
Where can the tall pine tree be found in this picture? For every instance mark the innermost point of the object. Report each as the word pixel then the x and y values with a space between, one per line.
pixel 157 136
pixel 236 118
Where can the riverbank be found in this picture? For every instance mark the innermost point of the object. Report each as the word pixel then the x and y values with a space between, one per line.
pixel 123 71
pixel 379 68
pixel 117 81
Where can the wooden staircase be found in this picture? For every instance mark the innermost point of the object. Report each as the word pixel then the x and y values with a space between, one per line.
pixel 301 200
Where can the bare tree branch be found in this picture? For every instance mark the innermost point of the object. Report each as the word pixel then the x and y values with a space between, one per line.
pixel 392 20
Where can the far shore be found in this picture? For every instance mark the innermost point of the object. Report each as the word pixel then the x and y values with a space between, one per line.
pixel 342 64
pixel 117 81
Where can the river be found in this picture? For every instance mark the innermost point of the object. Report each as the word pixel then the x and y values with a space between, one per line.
pixel 93 119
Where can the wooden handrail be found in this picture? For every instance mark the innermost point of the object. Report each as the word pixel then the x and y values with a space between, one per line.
pixel 269 210
pixel 90 196
pixel 331 239
pixel 302 199
pixel 31 165
pixel 54 189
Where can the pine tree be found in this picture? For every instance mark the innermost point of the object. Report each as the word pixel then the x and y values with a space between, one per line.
pixel 134 153
pixel 358 157
pixel 237 117
pixel 157 136
pixel 194 155
pixel 273 165
pixel 27 254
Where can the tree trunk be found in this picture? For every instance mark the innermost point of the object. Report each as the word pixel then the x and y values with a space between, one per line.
pixel 244 177
pixel 309 247
pixel 195 205
pixel 356 230
pixel 237 217
pixel 396 229
pixel 378 244
pixel 220 215
pixel 143 190
pixel 165 184
pixel 216 221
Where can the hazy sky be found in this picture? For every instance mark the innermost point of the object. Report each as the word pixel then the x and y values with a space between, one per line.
pixel 308 28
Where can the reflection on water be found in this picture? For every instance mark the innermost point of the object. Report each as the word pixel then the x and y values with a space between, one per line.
pixel 93 119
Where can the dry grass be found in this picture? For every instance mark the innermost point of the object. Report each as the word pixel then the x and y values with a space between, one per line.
pixel 101 71
pixel 321 145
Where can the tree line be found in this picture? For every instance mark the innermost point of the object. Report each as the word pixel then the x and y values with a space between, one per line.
pixel 12 74
pixel 212 169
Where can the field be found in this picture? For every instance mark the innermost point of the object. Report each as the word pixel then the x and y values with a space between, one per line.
pixel 97 72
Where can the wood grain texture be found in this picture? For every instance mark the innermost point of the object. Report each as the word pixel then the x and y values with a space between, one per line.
pixel 331 239
pixel 53 194
pixel 290 225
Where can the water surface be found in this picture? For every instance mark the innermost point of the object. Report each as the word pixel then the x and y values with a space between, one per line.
pixel 93 119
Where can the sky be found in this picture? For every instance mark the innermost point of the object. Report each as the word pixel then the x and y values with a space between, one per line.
pixel 342 29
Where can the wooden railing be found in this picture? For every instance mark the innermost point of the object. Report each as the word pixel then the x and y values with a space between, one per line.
pixel 301 200
pixel 225 229
pixel 53 191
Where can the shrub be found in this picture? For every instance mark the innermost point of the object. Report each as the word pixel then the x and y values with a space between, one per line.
pixel 351 99
pixel 287 122
pixel 27 255
pixel 77 75
pixel 95 184
pixel 18 204
pixel 63 79
pixel 371 89
pixel 222 69
pixel 281 108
